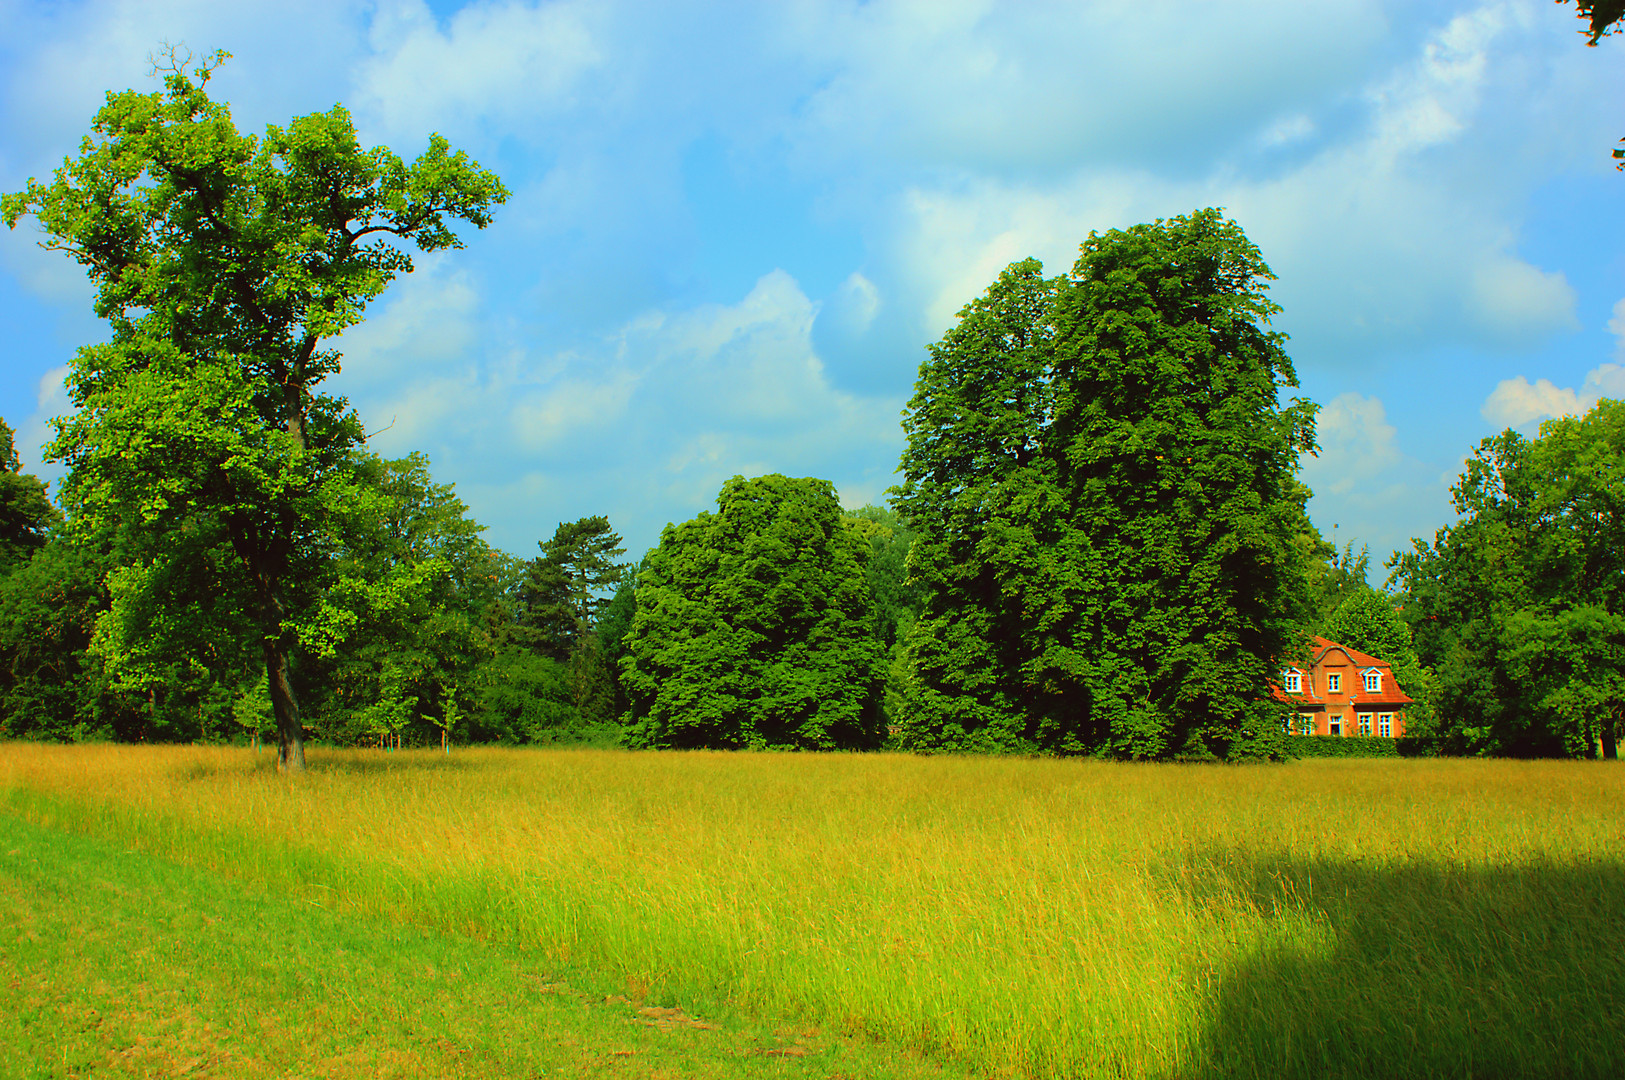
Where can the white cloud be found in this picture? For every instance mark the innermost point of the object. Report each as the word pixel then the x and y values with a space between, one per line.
pixel 429 320
pixel 495 64
pixel 34 433
pixel 1513 297
pixel 1519 403
pixel 643 425
pixel 1433 99
pixel 854 305
pixel 1356 443
pixel 993 87
pixel 1365 486
pixel 1375 244
pixel 1287 129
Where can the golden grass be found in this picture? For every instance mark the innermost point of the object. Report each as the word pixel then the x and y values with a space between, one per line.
pixel 1033 917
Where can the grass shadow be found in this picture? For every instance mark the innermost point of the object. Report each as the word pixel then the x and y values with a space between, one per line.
pixel 1418 970
pixel 376 762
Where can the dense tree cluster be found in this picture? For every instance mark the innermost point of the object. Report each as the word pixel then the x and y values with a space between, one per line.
pixel 1519 607
pixel 1099 545
pixel 221 263
pixel 753 627
pixel 1105 490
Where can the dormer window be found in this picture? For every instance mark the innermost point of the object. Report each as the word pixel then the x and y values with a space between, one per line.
pixel 1292 681
pixel 1334 683
pixel 1373 681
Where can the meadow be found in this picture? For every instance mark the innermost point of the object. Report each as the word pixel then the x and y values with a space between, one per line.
pixel 997 916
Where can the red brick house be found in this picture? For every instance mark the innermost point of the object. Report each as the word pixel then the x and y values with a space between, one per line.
pixel 1343 691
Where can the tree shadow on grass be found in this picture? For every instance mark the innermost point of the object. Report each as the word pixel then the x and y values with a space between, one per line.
pixel 1418 970
pixel 343 762
pixel 374 762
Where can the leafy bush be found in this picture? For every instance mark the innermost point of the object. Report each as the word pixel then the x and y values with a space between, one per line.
pixel 1306 746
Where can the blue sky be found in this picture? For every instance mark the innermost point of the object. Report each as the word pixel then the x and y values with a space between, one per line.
pixel 735 227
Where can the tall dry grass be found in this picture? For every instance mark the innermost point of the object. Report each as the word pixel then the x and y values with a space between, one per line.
pixel 1036 917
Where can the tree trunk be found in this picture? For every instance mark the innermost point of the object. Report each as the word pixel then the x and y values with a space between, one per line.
pixel 290 734
pixel 1610 739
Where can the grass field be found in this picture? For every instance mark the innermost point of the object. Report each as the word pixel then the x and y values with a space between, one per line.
pixel 1004 916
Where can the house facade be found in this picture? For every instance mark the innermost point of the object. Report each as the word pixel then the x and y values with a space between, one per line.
pixel 1342 691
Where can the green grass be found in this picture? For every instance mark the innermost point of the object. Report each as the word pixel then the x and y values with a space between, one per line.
pixel 1355 918
pixel 117 963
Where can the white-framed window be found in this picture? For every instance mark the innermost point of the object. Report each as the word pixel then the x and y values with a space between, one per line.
pixel 1334 682
pixel 1292 681
pixel 1373 681
pixel 1385 725
pixel 1334 724
pixel 1306 724
pixel 1365 723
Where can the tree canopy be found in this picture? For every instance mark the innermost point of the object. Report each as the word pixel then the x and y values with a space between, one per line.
pixel 222 262
pixel 753 627
pixel 1105 490
pixel 27 515
pixel 1600 17
pixel 1519 607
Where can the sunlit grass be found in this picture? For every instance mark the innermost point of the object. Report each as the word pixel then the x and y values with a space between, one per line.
pixel 1033 917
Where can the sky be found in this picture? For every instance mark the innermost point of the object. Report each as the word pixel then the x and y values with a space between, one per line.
pixel 735 227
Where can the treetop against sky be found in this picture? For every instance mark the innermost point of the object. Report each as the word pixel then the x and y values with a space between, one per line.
pixel 733 230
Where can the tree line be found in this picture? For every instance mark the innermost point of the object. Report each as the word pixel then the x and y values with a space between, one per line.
pixel 1099 544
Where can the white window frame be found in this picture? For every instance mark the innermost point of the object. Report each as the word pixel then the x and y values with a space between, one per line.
pixel 1306 724
pixel 1385 725
pixel 1334 682
pixel 1334 724
pixel 1292 681
pixel 1365 723
pixel 1373 681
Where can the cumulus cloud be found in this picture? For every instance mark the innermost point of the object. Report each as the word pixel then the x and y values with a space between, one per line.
pixel 1365 486
pixel 34 433
pixel 1373 243
pixel 1356 443
pixel 1518 403
pixel 1381 155
pixel 644 424
pixel 993 87
pixel 494 64
pixel 1432 99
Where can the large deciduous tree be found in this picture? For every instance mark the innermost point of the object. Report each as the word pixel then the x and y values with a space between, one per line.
pixel 1519 606
pixel 222 262
pixel 1104 485
pixel 753 627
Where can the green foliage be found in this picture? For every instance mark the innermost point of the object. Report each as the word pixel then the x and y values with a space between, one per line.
pixel 170 639
pixel 1368 621
pixel 405 606
pixel 1334 575
pixel 50 686
pixel 1104 487
pixel 565 592
pixel 222 262
pixel 1599 17
pixel 1326 746
pixel 753 627
pixel 1520 606
pixel 895 597
pixel 521 697
pixel 27 516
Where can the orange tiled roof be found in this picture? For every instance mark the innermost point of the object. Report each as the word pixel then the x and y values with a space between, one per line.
pixel 1356 694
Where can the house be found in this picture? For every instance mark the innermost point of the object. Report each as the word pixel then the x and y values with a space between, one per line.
pixel 1343 691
